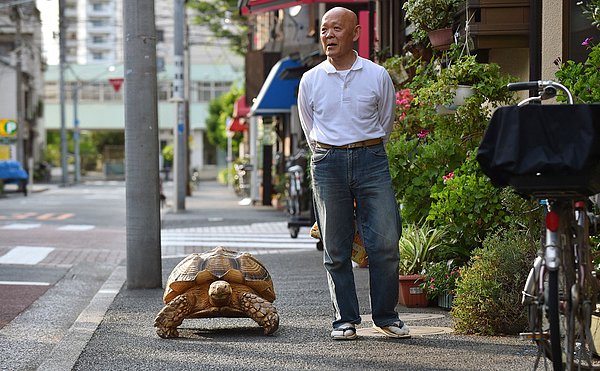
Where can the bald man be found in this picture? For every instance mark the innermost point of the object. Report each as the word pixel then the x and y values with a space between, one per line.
pixel 346 107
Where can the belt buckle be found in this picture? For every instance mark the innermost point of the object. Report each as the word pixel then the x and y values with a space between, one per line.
pixel 353 145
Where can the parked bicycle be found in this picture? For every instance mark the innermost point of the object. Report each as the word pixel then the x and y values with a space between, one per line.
pixel 551 152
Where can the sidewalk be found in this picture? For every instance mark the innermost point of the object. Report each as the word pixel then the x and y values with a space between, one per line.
pixel 116 330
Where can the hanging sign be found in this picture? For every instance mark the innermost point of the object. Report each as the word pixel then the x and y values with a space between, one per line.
pixel 8 128
pixel 116 83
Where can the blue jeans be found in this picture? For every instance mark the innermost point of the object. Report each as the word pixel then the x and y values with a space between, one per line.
pixel 339 177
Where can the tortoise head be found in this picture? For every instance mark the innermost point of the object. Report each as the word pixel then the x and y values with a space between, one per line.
pixel 219 293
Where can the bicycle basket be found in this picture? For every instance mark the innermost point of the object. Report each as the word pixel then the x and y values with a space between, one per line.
pixel 544 150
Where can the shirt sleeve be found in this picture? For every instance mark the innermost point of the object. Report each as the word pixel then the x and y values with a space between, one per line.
pixel 387 104
pixel 305 111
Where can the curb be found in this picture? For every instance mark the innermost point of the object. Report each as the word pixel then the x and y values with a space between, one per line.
pixel 67 351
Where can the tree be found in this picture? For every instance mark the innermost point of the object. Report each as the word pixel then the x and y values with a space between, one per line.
pixel 219 110
pixel 223 19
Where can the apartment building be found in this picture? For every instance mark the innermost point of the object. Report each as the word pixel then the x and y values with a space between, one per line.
pixel 21 130
pixel 94 54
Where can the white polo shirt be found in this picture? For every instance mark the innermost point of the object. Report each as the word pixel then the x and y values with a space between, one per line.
pixel 342 107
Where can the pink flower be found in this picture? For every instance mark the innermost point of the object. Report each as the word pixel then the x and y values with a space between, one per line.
pixel 448 177
pixel 423 133
pixel 587 41
pixel 403 98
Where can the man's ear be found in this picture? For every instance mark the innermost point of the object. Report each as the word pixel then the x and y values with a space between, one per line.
pixel 356 33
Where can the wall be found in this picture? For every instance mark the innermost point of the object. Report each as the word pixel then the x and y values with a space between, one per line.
pixel 552 31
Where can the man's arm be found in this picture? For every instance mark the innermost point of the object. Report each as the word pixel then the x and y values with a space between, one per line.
pixel 387 101
pixel 305 112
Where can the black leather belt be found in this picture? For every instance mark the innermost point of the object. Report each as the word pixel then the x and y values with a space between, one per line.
pixel 360 144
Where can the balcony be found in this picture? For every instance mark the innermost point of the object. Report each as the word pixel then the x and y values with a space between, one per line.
pixel 499 23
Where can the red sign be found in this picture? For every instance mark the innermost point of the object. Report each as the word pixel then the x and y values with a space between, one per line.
pixel 116 83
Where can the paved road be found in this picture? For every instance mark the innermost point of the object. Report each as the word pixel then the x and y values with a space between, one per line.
pixel 67 328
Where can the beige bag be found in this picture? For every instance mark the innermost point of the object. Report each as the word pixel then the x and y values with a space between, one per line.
pixel 359 255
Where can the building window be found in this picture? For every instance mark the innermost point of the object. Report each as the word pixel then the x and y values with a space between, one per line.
pixel 209 90
pixel 580 28
pixel 98 23
pixel 51 91
pixel 98 39
pixel 6 48
pixel 221 87
pixel 160 35
pixel 165 89
pixel 203 89
pixel 97 56
pixel 98 6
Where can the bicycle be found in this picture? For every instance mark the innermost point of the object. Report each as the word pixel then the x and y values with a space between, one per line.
pixel 548 152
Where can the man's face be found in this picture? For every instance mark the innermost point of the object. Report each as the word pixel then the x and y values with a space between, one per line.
pixel 338 33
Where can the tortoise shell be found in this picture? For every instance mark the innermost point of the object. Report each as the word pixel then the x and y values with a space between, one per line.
pixel 219 264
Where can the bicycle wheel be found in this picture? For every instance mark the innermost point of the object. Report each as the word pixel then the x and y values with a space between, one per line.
pixel 562 316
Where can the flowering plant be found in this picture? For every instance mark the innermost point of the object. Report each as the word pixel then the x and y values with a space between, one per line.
pixel 582 79
pixel 403 99
pixel 440 278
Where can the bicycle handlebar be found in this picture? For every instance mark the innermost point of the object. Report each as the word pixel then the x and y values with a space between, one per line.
pixel 546 89
pixel 516 86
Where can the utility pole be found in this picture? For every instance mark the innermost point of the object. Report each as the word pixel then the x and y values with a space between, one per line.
pixel 62 28
pixel 76 137
pixel 179 134
pixel 19 83
pixel 144 269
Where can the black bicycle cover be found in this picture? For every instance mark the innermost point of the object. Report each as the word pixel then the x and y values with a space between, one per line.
pixel 540 139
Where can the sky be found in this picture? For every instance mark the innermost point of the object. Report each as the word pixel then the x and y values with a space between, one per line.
pixel 49 14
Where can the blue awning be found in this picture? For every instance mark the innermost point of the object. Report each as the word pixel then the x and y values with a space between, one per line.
pixel 279 91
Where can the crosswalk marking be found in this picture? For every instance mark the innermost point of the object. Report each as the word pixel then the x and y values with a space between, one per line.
pixel 271 236
pixel 67 227
pixel 24 283
pixel 22 226
pixel 76 227
pixel 37 216
pixel 27 255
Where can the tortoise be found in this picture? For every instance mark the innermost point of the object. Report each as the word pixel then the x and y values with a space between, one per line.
pixel 218 283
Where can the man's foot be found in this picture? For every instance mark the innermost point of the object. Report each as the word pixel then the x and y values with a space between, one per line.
pixel 396 330
pixel 345 331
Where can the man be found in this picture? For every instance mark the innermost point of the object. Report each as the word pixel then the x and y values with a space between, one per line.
pixel 346 107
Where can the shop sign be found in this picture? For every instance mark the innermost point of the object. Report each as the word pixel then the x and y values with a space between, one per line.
pixel 8 128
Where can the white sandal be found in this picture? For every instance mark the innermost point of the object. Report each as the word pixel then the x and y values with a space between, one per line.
pixel 345 331
pixel 396 330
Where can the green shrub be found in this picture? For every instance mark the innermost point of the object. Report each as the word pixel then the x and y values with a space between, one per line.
pixel 467 205
pixel 488 296
pixel 415 166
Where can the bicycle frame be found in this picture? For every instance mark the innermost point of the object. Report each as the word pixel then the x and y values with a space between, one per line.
pixel 561 289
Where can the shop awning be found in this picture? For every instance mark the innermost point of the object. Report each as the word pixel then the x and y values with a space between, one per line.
pixel 240 109
pixel 278 94
pixel 259 6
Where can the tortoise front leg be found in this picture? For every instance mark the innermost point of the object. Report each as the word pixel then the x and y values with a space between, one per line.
pixel 261 311
pixel 172 315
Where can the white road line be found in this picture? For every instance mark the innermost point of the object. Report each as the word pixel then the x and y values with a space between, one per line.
pixel 270 236
pixel 22 283
pixel 28 255
pixel 76 227
pixel 21 226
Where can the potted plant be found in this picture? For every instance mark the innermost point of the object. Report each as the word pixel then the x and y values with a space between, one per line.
pixel 434 17
pixel 417 246
pixel 439 282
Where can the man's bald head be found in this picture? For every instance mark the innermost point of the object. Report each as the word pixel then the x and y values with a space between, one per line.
pixel 339 31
